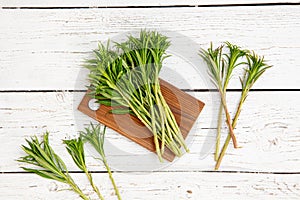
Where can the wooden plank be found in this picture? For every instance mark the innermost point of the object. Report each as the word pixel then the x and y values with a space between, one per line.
pixel 185 108
pixel 159 185
pixel 93 3
pixel 268 130
pixel 49 46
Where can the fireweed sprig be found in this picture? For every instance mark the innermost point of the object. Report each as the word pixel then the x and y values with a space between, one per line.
pixel 220 68
pixel 95 136
pixel 75 148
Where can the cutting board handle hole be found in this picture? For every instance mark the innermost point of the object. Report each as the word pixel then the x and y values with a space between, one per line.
pixel 93 105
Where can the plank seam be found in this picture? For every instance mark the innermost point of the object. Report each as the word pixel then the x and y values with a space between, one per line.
pixel 177 171
pixel 156 6
pixel 185 90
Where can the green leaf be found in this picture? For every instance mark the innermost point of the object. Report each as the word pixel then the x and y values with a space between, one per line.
pixel 45 174
pixel 120 111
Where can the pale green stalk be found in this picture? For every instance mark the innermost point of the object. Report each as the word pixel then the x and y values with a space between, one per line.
pixel 112 179
pixel 220 117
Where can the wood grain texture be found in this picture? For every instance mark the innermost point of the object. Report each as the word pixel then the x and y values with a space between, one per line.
pixel 268 130
pixel 49 46
pixel 159 185
pixel 184 107
pixel 111 3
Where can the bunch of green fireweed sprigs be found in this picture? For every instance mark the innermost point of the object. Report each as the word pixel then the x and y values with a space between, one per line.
pixel 51 166
pixel 126 77
pixel 221 63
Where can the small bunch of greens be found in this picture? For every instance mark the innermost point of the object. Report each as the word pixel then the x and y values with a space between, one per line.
pixel 51 166
pixel 220 68
pixel 126 77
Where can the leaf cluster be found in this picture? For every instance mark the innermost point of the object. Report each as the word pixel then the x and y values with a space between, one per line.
pixel 42 155
pixel 122 75
pixel 76 149
pixel 221 63
pixel 256 66
pixel 95 135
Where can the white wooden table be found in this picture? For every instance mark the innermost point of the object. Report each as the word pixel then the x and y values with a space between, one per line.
pixel 43 44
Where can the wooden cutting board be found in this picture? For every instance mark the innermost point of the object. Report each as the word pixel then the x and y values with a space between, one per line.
pixel 185 108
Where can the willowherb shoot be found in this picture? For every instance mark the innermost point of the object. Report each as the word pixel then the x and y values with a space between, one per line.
pixel 220 65
pixel 94 135
pixel 75 148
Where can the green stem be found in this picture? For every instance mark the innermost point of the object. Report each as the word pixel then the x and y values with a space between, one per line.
pixel 95 188
pixel 76 188
pixel 112 179
pixel 173 124
pixel 169 118
pixel 170 141
pixel 172 128
pixel 219 131
pixel 162 116
pixel 155 135
pixel 224 148
pixel 165 128
pixel 234 122
pixel 153 125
